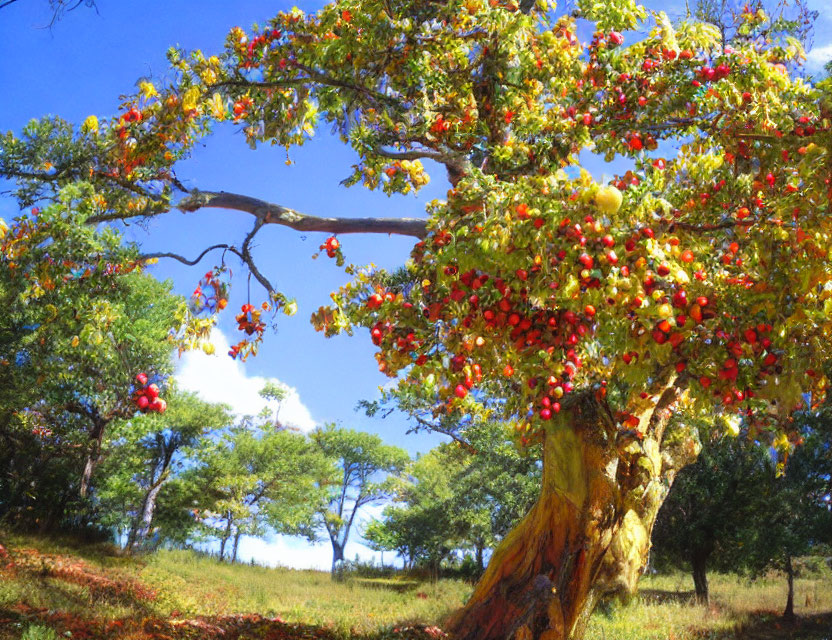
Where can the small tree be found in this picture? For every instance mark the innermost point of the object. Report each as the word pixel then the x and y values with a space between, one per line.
pixel 362 460
pixel 705 518
pixel 258 480
pixel 149 451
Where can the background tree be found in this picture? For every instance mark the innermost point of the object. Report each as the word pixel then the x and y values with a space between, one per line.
pixel 704 520
pixel 734 510
pixel 258 480
pixel 362 460
pixel 586 313
pixel 80 323
pixel 150 451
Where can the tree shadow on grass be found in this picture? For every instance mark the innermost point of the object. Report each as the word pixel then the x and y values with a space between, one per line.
pixel 769 625
pixel 230 627
pixel 661 596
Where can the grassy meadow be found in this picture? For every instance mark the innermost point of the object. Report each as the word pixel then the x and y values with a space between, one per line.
pixel 51 590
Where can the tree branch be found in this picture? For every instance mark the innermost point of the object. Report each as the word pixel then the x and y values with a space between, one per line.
pixel 270 213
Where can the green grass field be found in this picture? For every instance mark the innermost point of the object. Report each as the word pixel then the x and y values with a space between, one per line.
pixel 50 589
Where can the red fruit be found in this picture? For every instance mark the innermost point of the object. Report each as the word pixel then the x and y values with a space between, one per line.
pixel 142 402
pixel 161 405
pixel 586 260
pixel 635 143
pixel 522 274
pixel 546 414
pixel 589 310
pixel 680 366
pixel 141 379
pixel 746 96
pixel 152 391
pixel 460 391
pixel 687 256
pixel 663 270
pixel 705 381
pixel 616 38
pixel 508 371
pixel 702 301
pixel 750 336
pixel 556 407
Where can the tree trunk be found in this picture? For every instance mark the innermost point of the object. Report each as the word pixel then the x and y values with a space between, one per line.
pixel 788 614
pixel 699 564
pixel 225 536
pixel 94 455
pixel 148 509
pixel 237 535
pixel 337 558
pixel 588 535
pixel 480 559
pixel 539 578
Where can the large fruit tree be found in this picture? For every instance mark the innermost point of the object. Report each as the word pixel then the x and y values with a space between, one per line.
pixel 586 314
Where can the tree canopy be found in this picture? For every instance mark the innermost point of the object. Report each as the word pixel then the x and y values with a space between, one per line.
pixel 586 312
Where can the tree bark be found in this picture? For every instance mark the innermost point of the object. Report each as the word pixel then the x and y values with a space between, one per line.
pixel 225 536
pixel 699 564
pixel 480 559
pixel 539 578
pixel 337 557
pixel 788 614
pixel 588 535
pixel 236 546
pixel 148 509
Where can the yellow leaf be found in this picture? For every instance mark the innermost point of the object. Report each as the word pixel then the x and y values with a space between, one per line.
pixel 90 125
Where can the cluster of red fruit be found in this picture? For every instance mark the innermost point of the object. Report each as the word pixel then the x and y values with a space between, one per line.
pixel 331 246
pixel 132 115
pixel 210 294
pixel 256 45
pixel 147 397
pixel 248 321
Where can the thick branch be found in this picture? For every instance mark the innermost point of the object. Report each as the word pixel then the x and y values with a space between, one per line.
pixel 270 213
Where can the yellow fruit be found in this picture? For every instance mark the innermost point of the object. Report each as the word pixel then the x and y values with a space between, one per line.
pixel 608 199
pixel 208 348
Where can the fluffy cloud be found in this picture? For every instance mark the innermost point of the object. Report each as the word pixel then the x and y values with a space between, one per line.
pixel 818 57
pixel 218 378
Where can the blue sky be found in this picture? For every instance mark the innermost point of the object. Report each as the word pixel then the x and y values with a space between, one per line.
pixel 81 66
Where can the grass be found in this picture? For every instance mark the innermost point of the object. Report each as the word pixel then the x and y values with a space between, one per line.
pixel 359 605
pixel 55 587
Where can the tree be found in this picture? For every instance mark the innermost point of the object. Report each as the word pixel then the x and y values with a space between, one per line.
pixel 455 498
pixel 707 514
pixel 422 523
pixel 732 509
pixel 81 323
pixel 254 480
pixel 361 461
pixel 798 515
pixel 151 450
pixel 587 313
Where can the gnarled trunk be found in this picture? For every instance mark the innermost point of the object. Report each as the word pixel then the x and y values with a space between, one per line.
pixel 588 535
pixel 540 576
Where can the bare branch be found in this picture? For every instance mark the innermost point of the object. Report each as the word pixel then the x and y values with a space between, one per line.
pixel 183 260
pixel 270 213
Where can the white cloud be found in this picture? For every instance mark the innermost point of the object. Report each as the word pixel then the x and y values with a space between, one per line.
pixel 818 57
pixel 218 378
